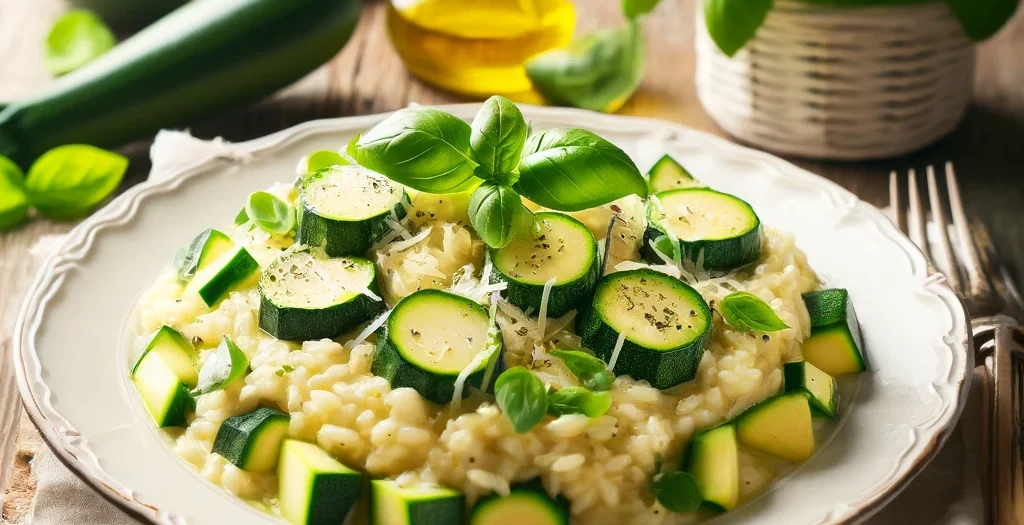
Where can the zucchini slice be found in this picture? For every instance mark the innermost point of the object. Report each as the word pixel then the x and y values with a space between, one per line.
pixel 819 387
pixel 780 426
pixel 304 297
pixel 713 230
pixel 345 209
pixel 527 503
pixel 176 352
pixel 228 272
pixel 313 487
pixel 564 250
pixel 162 391
pixel 715 466
pixel 394 505
pixel 428 339
pixel 669 174
pixel 835 343
pixel 666 325
pixel 201 252
pixel 253 441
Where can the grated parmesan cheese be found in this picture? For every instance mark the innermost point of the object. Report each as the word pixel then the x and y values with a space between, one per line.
pixel 615 352
pixel 542 316
pixel 370 328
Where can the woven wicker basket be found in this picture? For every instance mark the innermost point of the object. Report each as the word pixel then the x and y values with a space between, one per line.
pixel 843 84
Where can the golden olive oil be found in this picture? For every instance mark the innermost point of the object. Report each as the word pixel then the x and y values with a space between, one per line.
pixel 478 47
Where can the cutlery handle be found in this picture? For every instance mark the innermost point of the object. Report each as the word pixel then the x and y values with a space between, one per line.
pixel 1002 467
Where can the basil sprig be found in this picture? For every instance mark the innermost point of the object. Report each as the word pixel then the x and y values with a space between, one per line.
pixel 747 311
pixel 590 371
pixel 578 400
pixel 270 213
pixel 732 23
pixel 67 182
pixel 522 397
pixel 76 39
pixel 676 491
pixel 13 200
pixel 227 365
pixel 435 152
pixel 322 159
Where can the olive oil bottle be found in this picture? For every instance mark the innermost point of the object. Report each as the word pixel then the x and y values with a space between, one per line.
pixel 478 47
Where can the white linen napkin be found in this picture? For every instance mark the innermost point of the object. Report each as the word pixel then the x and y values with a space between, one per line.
pixel 947 493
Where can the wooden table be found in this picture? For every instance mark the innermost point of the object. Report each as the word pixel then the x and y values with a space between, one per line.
pixel 368 77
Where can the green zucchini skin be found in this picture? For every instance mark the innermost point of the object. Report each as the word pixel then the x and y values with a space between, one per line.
pixel 236 271
pixel 531 492
pixel 238 436
pixel 203 58
pixel 661 368
pixel 308 324
pixel 389 364
pixel 719 255
pixel 340 238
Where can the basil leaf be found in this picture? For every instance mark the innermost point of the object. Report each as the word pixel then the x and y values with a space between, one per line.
pixel 732 23
pixel 499 134
pixel 76 39
pixel 574 169
pixel 498 214
pixel 13 201
pixel 242 217
pixel 676 491
pixel 591 372
pixel 579 400
pixel 186 260
pixel 425 149
pixel 598 72
pixel 67 182
pixel 747 311
pixel 636 8
pixel 270 213
pixel 522 397
pixel 982 18
pixel 321 159
pixel 227 365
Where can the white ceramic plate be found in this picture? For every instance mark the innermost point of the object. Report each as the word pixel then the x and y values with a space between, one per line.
pixel 72 363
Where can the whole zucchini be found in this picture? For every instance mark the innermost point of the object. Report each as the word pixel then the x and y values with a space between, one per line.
pixel 207 56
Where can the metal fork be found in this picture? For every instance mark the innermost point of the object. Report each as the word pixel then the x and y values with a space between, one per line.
pixel 973 267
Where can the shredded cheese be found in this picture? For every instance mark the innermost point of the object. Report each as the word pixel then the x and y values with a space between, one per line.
pixel 405 244
pixel 615 352
pixel 542 316
pixel 370 328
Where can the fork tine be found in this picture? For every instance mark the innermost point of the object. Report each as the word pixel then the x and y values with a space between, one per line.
pixel 991 265
pixel 899 208
pixel 939 215
pixel 974 266
pixel 918 221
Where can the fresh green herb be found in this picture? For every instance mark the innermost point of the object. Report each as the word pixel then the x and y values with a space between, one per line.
pixel 227 365
pixel 280 372
pixel 186 260
pixel 497 214
pixel 638 8
pixel 13 200
pixel 242 217
pixel 732 23
pixel 598 72
pixel 982 18
pixel 676 491
pixel 499 133
pixel 574 169
pixel 522 397
pixel 423 148
pixel 578 400
pixel 435 152
pixel 76 39
pixel 590 371
pixel 322 159
pixel 746 311
pixel 270 213
pixel 67 182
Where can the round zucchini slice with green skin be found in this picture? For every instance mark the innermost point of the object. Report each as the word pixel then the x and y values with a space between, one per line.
pixel 717 230
pixel 306 297
pixel 665 323
pixel 427 341
pixel 394 505
pixel 344 209
pixel 252 441
pixel 564 250
pixel 527 503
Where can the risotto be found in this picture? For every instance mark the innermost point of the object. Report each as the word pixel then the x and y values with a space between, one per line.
pixel 600 465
